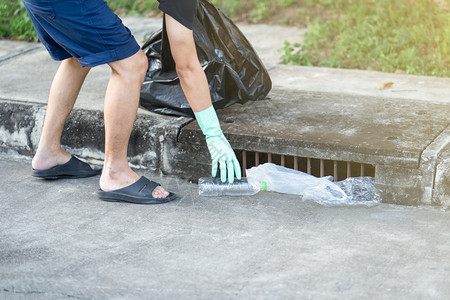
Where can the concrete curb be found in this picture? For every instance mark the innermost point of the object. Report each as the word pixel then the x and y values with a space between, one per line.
pixel 84 134
pixel 314 112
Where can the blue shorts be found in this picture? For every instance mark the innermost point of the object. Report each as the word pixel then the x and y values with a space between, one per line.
pixel 85 29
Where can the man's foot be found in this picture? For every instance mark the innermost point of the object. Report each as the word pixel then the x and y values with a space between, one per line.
pixel 59 164
pixel 42 161
pixel 114 180
pixel 140 192
pixel 72 169
pixel 45 161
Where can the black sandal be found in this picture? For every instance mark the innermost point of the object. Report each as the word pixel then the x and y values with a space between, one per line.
pixel 72 169
pixel 139 192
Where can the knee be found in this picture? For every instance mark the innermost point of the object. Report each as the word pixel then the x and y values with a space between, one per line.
pixel 142 63
pixel 132 68
pixel 72 62
pixel 139 65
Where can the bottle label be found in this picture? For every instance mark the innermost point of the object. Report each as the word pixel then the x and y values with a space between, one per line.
pixel 264 186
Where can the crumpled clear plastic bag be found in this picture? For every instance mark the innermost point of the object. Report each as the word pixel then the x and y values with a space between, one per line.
pixel 351 191
pixel 360 191
pixel 279 179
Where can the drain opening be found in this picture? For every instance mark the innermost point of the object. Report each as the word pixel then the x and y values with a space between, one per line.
pixel 340 170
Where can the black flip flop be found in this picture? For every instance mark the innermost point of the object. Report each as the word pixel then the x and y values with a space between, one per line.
pixel 72 169
pixel 139 192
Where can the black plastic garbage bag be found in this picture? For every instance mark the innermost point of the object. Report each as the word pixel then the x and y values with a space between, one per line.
pixel 233 69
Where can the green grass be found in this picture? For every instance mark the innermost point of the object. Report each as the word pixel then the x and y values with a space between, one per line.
pixel 14 21
pixel 402 36
pixel 134 7
pixel 252 10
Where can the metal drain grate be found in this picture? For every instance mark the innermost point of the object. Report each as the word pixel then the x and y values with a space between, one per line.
pixel 340 170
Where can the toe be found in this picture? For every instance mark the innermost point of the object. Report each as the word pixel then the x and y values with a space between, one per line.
pixel 160 192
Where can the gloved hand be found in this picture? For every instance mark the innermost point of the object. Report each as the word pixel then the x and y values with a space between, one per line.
pixel 219 147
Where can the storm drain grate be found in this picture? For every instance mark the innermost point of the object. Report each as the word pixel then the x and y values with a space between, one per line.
pixel 340 170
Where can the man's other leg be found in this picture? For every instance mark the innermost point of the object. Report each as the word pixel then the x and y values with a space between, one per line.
pixel 64 91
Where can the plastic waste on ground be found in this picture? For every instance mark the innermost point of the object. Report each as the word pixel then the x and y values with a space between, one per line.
pixel 213 186
pixel 288 181
pixel 360 190
pixel 234 71
pixel 351 191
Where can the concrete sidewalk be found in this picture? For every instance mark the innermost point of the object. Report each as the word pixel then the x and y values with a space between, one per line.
pixel 58 240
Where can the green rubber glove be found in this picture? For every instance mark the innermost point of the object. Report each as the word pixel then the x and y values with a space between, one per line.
pixel 218 145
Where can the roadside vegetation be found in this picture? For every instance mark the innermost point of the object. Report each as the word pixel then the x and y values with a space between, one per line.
pixel 14 21
pixel 403 36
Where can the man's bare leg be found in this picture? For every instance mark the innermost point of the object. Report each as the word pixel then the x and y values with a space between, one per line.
pixel 63 93
pixel 121 104
pixel 192 76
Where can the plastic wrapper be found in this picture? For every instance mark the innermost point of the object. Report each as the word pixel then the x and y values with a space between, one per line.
pixel 279 179
pixel 234 71
pixel 351 191
pixel 360 191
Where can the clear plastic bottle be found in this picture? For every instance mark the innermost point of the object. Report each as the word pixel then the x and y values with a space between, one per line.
pixel 208 186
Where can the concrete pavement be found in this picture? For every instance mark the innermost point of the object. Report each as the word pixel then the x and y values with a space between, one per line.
pixel 58 241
